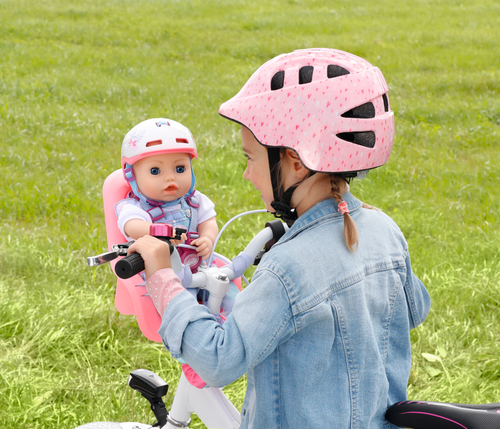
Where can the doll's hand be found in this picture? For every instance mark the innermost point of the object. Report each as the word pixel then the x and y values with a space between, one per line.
pixel 204 246
pixel 181 241
pixel 156 253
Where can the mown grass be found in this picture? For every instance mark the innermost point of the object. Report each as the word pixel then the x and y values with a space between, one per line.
pixel 76 76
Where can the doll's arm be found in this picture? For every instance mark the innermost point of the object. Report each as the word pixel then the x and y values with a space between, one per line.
pixel 137 228
pixel 208 231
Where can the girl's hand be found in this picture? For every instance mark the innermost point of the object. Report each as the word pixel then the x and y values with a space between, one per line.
pixel 156 253
pixel 204 246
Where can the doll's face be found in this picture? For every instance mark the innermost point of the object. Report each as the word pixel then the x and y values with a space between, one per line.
pixel 163 177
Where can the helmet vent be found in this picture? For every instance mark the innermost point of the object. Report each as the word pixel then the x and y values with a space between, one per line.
pixel 386 102
pixel 154 143
pixel 364 111
pixel 306 74
pixel 278 80
pixel 178 140
pixel 363 138
pixel 334 70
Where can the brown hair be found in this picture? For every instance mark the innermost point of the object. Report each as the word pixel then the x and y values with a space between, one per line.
pixel 350 230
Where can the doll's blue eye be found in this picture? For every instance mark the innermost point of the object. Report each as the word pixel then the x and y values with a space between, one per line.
pixel 180 169
pixel 155 171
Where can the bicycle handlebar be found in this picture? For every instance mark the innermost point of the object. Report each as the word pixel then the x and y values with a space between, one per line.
pixel 214 279
pixel 133 264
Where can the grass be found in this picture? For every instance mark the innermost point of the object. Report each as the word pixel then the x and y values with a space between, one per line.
pixel 76 76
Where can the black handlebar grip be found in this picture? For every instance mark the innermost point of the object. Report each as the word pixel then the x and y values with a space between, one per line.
pixel 129 266
pixel 133 264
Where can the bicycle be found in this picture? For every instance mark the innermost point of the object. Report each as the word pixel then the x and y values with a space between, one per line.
pixel 210 404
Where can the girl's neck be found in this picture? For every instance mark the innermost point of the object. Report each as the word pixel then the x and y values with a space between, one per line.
pixel 312 191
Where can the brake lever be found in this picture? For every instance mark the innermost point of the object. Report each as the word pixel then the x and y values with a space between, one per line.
pixel 158 230
pixel 104 258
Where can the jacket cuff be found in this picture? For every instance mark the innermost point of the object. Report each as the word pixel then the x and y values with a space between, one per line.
pixel 162 287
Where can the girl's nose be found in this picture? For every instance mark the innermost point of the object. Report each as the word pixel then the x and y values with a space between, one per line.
pixel 246 173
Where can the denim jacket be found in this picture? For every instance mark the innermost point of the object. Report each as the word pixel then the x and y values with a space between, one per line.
pixel 322 333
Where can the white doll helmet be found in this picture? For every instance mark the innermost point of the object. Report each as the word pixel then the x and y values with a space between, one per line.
pixel 156 136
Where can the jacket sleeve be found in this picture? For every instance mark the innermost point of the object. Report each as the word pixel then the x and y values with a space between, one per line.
pixel 417 297
pixel 260 320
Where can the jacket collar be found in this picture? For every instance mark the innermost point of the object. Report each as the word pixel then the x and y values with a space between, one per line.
pixel 326 208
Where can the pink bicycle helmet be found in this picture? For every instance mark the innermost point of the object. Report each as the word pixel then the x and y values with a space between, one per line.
pixel 330 106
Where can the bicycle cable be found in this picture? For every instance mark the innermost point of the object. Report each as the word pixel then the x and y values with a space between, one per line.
pixel 211 258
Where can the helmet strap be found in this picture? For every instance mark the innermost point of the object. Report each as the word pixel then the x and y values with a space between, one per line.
pixel 274 158
pixel 282 208
pixel 281 203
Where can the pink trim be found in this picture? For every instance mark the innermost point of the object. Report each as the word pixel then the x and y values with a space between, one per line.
pixel 193 378
pixel 154 203
pixel 136 158
pixel 435 415
pixel 190 202
pixel 158 217
pixel 129 178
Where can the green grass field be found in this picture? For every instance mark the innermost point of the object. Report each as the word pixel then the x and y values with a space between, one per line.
pixel 75 76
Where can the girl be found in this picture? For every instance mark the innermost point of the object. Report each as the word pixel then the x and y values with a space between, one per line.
pixel 323 331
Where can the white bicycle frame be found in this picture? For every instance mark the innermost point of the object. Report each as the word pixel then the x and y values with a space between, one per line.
pixel 210 404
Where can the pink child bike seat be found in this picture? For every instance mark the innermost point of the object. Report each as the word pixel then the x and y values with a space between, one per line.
pixel 131 295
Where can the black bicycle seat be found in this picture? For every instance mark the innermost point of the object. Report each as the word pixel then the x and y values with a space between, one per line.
pixel 442 415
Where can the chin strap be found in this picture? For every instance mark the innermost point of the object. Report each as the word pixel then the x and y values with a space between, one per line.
pixel 282 208
pixel 281 203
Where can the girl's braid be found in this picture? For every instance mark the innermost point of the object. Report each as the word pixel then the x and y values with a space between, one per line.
pixel 350 230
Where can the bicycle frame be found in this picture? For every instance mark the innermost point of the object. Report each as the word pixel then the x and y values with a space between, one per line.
pixel 210 404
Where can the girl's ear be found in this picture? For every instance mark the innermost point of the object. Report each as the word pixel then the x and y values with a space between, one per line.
pixel 294 164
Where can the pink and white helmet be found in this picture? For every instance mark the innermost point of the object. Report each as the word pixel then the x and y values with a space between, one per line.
pixel 155 136
pixel 330 106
